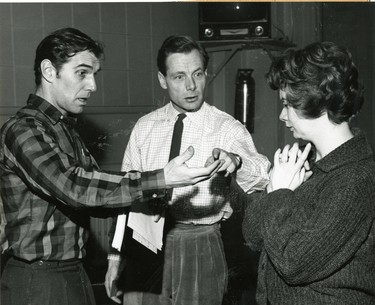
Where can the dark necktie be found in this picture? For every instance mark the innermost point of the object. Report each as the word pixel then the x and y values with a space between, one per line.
pixel 156 262
pixel 176 145
pixel 176 137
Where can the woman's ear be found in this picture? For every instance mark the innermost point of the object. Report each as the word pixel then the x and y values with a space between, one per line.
pixel 162 81
pixel 48 70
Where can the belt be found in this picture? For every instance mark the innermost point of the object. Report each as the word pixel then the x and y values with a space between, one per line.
pixel 44 263
pixel 181 228
pixel 191 225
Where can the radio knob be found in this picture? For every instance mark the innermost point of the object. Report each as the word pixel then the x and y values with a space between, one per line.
pixel 208 32
pixel 259 31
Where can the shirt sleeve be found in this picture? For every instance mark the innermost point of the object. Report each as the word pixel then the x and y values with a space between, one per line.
pixel 131 160
pixel 132 155
pixel 33 153
pixel 253 173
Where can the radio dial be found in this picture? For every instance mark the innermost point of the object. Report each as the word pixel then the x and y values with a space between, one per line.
pixel 208 32
pixel 259 30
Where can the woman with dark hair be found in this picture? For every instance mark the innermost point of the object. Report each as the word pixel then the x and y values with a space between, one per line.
pixel 315 226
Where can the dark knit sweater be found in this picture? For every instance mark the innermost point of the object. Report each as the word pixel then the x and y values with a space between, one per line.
pixel 318 242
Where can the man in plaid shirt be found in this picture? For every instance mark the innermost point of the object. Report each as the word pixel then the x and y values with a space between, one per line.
pixel 48 179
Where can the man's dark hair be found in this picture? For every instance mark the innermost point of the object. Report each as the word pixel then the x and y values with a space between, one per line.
pixel 319 78
pixel 61 45
pixel 179 44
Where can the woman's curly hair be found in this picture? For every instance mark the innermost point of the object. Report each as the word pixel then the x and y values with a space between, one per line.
pixel 318 78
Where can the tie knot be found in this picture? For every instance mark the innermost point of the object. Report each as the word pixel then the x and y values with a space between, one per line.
pixel 181 116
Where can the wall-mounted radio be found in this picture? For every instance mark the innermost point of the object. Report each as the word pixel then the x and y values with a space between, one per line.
pixel 234 20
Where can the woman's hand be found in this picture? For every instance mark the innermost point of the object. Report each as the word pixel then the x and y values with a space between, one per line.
pixel 290 168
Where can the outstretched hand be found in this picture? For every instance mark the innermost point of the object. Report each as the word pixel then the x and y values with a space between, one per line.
pixel 290 168
pixel 231 162
pixel 177 173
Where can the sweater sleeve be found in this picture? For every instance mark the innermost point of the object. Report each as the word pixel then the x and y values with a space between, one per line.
pixel 253 218
pixel 306 238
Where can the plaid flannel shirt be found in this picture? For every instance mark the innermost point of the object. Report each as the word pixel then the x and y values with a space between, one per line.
pixel 47 176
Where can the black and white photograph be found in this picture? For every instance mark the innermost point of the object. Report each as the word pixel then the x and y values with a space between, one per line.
pixel 187 153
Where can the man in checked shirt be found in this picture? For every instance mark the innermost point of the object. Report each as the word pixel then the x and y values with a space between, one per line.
pixel 48 179
pixel 193 270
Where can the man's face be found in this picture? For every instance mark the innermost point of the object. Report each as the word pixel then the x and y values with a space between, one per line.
pixel 75 81
pixel 185 80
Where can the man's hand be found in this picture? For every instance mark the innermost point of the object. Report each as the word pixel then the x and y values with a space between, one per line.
pixel 231 161
pixel 177 173
pixel 111 281
pixel 290 168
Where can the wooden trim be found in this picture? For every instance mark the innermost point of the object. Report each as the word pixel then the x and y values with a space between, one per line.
pixel 95 109
pixel 118 109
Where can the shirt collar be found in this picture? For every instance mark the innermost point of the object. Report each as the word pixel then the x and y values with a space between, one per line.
pixel 50 111
pixel 196 117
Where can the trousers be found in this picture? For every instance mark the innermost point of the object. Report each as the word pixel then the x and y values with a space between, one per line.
pixel 45 283
pixel 194 271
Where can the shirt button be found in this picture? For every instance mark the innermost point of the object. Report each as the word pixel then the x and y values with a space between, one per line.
pixel 40 263
pixel 154 195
